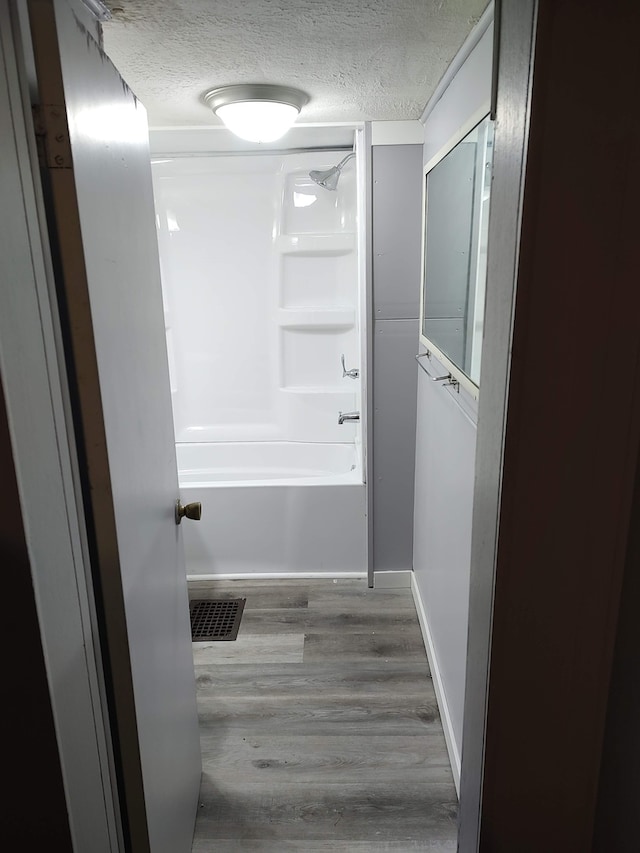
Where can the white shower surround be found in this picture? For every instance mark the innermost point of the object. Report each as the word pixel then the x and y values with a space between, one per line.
pixel 263 294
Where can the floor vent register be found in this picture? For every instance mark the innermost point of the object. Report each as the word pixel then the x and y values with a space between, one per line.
pixel 216 620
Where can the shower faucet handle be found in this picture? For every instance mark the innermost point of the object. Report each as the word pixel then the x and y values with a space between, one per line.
pixel 353 373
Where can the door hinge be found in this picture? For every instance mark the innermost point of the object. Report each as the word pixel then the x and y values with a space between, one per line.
pixel 52 136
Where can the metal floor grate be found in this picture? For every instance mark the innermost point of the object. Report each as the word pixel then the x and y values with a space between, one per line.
pixel 216 620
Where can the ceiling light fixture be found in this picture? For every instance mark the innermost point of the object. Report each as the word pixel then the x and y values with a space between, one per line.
pixel 258 112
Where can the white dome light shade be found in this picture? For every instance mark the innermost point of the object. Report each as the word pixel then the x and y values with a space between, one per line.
pixel 257 112
pixel 258 121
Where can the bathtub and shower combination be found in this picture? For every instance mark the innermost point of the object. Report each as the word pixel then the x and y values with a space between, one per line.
pixel 264 312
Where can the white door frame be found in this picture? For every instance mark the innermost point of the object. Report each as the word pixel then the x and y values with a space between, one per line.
pixel 40 423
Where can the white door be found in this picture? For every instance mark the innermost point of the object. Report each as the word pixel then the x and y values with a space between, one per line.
pixel 103 232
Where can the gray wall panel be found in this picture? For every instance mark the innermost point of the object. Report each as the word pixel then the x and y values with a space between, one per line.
pixel 397 225
pixel 445 459
pixel 445 451
pixel 394 395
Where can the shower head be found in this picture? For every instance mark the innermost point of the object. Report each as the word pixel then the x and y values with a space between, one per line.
pixel 329 178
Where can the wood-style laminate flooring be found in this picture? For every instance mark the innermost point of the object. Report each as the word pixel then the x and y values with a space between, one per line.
pixel 319 726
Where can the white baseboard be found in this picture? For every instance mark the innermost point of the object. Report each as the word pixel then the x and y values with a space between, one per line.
pixel 392 580
pixel 452 747
pixel 271 576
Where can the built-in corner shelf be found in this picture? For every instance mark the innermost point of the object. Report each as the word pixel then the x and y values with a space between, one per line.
pixel 316 244
pixel 312 318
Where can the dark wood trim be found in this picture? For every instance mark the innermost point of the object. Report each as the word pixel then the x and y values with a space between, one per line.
pixel 30 748
pixel 572 430
pixel 617 814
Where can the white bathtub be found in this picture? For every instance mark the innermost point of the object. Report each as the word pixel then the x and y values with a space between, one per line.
pixel 274 508
pixel 245 463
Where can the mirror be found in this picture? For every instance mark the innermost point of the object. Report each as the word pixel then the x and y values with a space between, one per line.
pixel 456 222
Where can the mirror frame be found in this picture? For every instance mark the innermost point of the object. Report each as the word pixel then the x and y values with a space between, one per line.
pixel 456 372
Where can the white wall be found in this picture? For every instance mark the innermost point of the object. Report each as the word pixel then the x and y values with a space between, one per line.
pixel 445 454
pixel 468 92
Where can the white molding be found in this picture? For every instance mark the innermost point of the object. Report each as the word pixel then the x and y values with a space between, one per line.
pixel 212 139
pixel 364 184
pixel 98 10
pixel 485 21
pixel 356 125
pixel 397 132
pixel 465 128
pixel 270 576
pixel 400 579
pixel 438 686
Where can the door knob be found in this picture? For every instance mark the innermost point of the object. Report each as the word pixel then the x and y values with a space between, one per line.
pixel 192 511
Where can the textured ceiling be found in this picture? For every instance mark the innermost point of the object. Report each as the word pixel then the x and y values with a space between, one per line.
pixel 357 59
